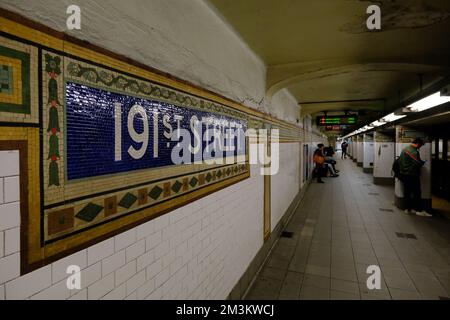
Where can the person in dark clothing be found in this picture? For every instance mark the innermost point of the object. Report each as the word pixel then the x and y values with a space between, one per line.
pixel 410 165
pixel 344 147
pixel 319 160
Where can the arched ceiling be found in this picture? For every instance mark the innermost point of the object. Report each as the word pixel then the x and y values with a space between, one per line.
pixel 321 50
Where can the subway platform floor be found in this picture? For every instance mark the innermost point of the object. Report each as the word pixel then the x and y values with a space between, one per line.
pixel 343 226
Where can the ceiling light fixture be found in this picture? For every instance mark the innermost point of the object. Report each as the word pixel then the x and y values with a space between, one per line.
pixel 377 123
pixel 429 102
pixel 391 117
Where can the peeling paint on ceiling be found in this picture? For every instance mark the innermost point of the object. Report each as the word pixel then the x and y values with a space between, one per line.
pixel 414 14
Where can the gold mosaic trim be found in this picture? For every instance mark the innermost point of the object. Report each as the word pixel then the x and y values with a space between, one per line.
pixel 56 190
pixel 67 219
pixel 33 116
pixel 99 77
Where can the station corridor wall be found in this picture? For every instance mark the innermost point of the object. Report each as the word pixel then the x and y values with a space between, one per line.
pixel 196 243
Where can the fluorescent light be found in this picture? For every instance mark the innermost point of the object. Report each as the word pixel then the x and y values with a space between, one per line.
pixel 391 117
pixel 377 123
pixel 429 102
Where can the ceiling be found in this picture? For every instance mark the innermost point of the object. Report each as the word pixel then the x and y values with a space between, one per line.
pixel 322 51
pixel 435 124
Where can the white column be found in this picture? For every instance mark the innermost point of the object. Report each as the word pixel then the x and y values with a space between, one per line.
pixel 350 147
pixel 368 148
pixel 404 137
pixel 384 155
pixel 353 144
pixel 360 151
pixel 349 152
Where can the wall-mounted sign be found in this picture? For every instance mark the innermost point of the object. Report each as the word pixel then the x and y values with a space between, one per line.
pixel 106 145
pixel 336 120
pixel 123 133
pixel 333 128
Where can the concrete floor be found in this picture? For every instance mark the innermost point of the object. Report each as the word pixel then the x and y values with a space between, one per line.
pixel 345 225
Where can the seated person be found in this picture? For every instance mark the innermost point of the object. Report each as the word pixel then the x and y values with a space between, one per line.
pixel 330 169
pixel 329 152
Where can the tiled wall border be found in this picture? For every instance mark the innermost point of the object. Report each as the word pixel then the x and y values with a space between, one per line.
pixel 23 30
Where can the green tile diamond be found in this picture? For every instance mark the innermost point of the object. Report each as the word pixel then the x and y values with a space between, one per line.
pixel 193 182
pixel 177 186
pixel 127 200
pixel 89 212
pixel 155 192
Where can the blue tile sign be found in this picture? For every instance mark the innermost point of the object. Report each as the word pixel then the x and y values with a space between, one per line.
pixel 108 132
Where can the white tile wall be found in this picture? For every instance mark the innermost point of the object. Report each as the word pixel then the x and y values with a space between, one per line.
pixel 100 251
pixel 135 282
pixel 135 250
pixel 112 263
pixel 126 272
pixel 29 284
pixel 118 293
pixel 90 275
pixel 101 287
pixel 10 163
pixel 145 260
pixel 2 244
pixel 145 290
pixel 11 189
pixel 12 241
pixel 82 295
pixel 197 251
pixel 57 291
pixel 125 239
pixel 286 184
pixel 9 267
pixel 59 268
pixel 10 215
pixel 1 190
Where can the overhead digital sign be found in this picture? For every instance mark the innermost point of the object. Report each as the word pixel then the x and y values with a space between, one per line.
pixel 337 120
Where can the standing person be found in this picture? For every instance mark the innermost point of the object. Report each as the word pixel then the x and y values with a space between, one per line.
pixel 410 165
pixel 344 147
pixel 319 160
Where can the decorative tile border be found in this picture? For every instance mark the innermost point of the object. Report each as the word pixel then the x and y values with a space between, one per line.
pixel 72 208
pixel 71 218
pixel 18 82
pixel 65 216
pixel 100 77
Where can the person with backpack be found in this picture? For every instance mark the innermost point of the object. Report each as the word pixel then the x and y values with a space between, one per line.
pixel 409 165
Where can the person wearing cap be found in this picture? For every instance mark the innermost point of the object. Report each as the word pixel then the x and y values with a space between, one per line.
pixel 410 166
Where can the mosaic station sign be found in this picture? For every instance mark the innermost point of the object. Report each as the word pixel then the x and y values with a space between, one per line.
pixel 120 146
pixel 125 133
pixel 106 145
